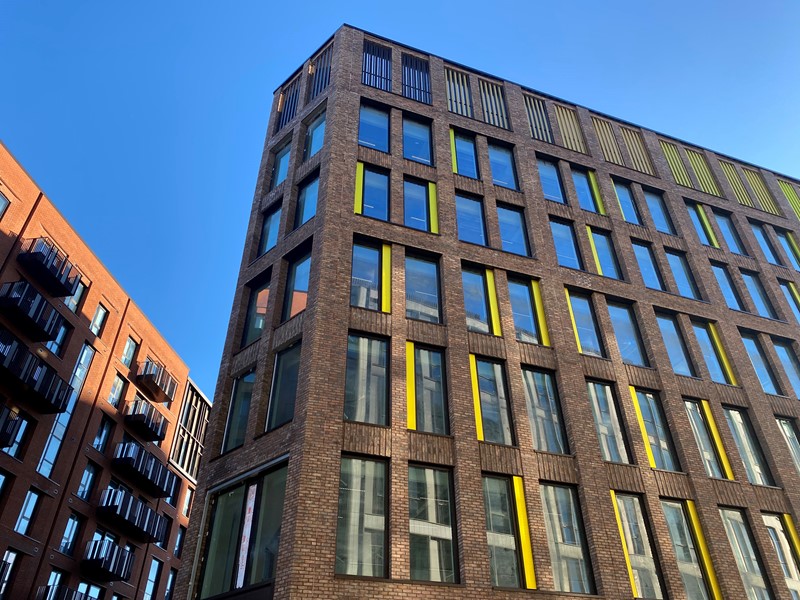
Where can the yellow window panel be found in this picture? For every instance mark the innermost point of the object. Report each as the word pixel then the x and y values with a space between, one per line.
pixel 571 134
pixel 676 164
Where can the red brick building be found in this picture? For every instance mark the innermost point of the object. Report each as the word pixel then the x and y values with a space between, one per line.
pixel 101 428
pixel 490 344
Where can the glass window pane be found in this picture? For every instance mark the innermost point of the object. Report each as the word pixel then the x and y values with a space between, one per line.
pixel 791 366
pixel 784 551
pixel 658 436
pixel 758 295
pixel 416 207
pixel 67 545
pixel 280 167
pixel 544 412
pixel 263 552
pixel 365 281
pixel 659 212
pixel 373 128
pixel 605 254
pixel 417 141
pixel 755 464
pixel 422 290
pixel 469 217
pixel 525 324
pixel 365 380
pixel 476 303
pixel 765 244
pixel 501 161
pixel 726 285
pixel 431 393
pixel 430 521
pixel 684 279
pixel 239 411
pixel 789 248
pixel 626 330
pixel 791 298
pixel 685 548
pixel 583 189
pixel 647 266
pixel 607 423
pixel 315 135
pixel 676 348
pixel 466 160
pixel 699 225
pixel 568 553
pixel 513 235
pixel 256 318
pixel 376 195
pixel 586 325
pixel 25 516
pixel 702 436
pixel 747 560
pixel 284 387
pixel 789 433
pixel 222 552
pixel 306 202
pixel 710 352
pixel 296 295
pixel 627 203
pixel 495 412
pixel 500 532
pixel 269 231
pixel 551 181
pixel 729 233
pixel 768 382
pixel 640 549
pixel 566 245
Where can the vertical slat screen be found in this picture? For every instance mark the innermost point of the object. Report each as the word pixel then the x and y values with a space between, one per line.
pixel 494 104
pixel 608 143
pixel 675 163
pixel 376 68
pixel 733 179
pixel 459 93
pixel 290 95
pixel 791 196
pixel 537 119
pixel 703 172
pixel 761 191
pixel 635 144
pixel 416 79
pixel 321 72
pixel 571 133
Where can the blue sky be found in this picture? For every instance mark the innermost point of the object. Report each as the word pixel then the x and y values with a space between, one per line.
pixel 144 122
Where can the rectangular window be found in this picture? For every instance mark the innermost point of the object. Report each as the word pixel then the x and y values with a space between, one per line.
pixel 513 233
pixel 708 439
pixel 427 390
pixel 368 277
pixel 682 274
pixel 790 248
pixel 117 391
pixel 180 536
pixel 430 525
pixel 702 225
pixel 86 485
pixel 760 364
pixel 361 527
pixel 187 502
pixel 307 197
pixel 416 78
pixel 726 285
pixel 17 444
pixel 758 295
pixel 501 161
pixel 153 576
pixel 626 330
pixel 7 572
pixel 626 203
pixel 637 547
pixel 256 318
pixel 422 290
pixel 792 297
pixel 284 387
pixel 584 324
pixel 465 159
pixel 744 551
pixel 658 211
pixel 99 319
pixel 280 164
pixel 587 190
pixel 372 193
pixel 755 465
pixel 607 422
pixel 27 511
pixel 569 556
pixel 491 402
pixel 789 433
pixel 373 128
pixel 689 546
pixel 605 258
pixel 493 102
pixel 544 412
pixel 70 536
pixel 269 231
pixel 419 206
pixel 103 434
pixel 766 246
pixel 366 381
pixel 657 439
pixel 417 141
pixel 527 311
pixel 315 136
pixel 648 268
pixel 711 347
pixel 169 589
pixel 238 411
pixel 566 245
pixel 459 92
pixel 129 352
pixel 507 532
pixel 480 301
pixel 781 533
pixel 729 233
pixel 376 66
pixel 295 296
pixel 791 366
pixel 56 345
pixel 72 302
pixel 538 120
pixel 550 179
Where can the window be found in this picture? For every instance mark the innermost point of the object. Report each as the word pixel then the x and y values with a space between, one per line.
pixel 56 345
pixel 605 259
pixel 500 532
pixel 501 160
pixel 493 103
pixel 417 141
pixel 758 295
pixel 584 324
pixel 626 203
pixel 513 234
pixel 658 442
pixel 376 68
pixel 169 589
pixel 103 434
pixel 647 266
pixel 688 552
pixel 729 233
pixel 764 372
pixel 626 330
pixel 280 166
pixel 745 553
pixel 792 297
pixel 416 78
pixel 711 347
pixel 179 539
pixel 153 575
pixel 307 197
pixel 187 502
pixel 296 295
pixel 4 204
pixel 239 411
pixel 659 213
pixel 708 441
pixel 765 245
pixel 492 412
pixel 373 128
pixel 366 381
pixel 544 412
pixel 422 290
pixel 676 348
pixel 27 511
pixel 586 189
pixel 129 351
pixel 526 320
pixel 17 445
pixel 550 179
pixel 639 552
pixel 430 525
pixel 469 217
pixel 459 93
pixel 10 559
pixel 427 392
pixel 269 231
pixel 86 485
pixel 480 301
pixel 372 193
pixel 315 136
pixel 702 225
pixel 726 285
pixel 755 465
pixel 90 591
pixel 284 387
pixel 465 160
pixel 54 580
pixel 789 246
pixel 256 319
pixel 99 319
pixel 70 537
pixel 117 391
pixel 682 274
pixel 569 555
pixel 227 566
pixel 791 366
pixel 361 526
pixel 777 526
pixel 366 279
pixel 607 422
pixel 789 433
pixel 72 302
pixel 566 245
pixel 419 206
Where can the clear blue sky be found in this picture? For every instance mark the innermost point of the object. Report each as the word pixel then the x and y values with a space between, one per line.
pixel 144 121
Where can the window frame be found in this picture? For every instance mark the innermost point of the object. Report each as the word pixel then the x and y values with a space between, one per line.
pixel 383 129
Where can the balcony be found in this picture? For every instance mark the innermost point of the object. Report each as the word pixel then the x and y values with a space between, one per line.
pixel 9 425
pixel 29 311
pixel 106 560
pixel 145 469
pixel 49 266
pixel 132 515
pixel 144 419
pixel 60 592
pixel 33 378
pixel 155 378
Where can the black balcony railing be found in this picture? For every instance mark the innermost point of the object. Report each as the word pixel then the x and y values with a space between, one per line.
pixel 131 514
pixel 30 311
pixel 49 266
pixel 145 469
pixel 155 378
pixel 143 418
pixel 36 381
pixel 60 592
pixel 108 561
pixel 9 425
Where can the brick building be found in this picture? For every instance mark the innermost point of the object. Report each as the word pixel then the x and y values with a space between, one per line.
pixel 489 344
pixel 101 428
